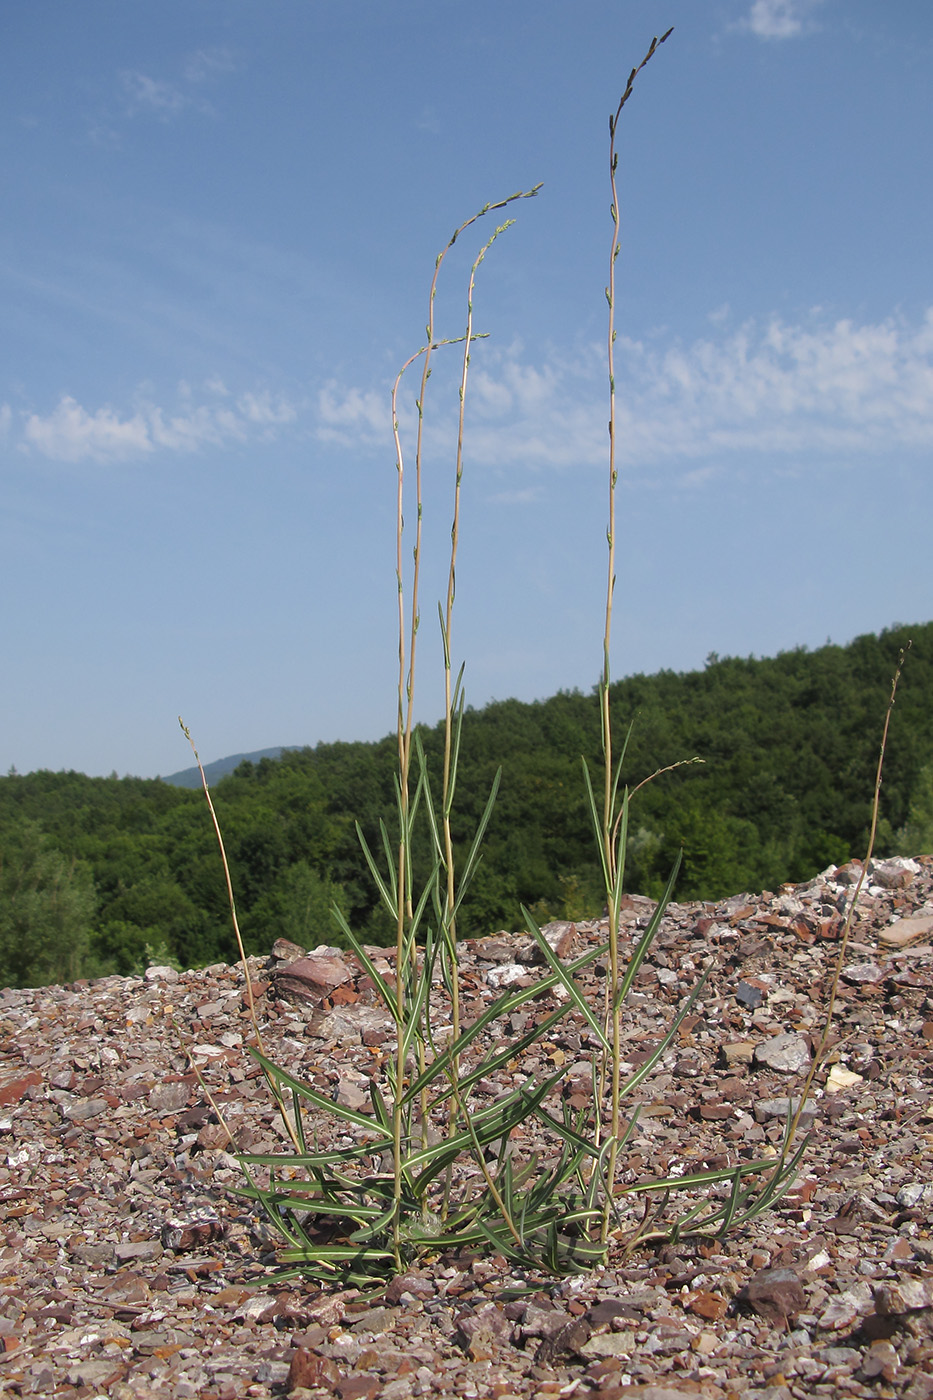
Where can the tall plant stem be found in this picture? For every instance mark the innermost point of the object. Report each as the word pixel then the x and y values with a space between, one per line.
pixel 406 952
pixel 452 692
pixel 610 778
pixel 290 1128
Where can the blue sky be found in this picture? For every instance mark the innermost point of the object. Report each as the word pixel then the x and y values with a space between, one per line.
pixel 220 226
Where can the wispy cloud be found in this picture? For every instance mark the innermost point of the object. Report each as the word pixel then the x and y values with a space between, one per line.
pixel 205 64
pixel 155 96
pixel 266 409
pixel 820 389
pixel 166 99
pixel 72 433
pixel 779 19
pixel 351 416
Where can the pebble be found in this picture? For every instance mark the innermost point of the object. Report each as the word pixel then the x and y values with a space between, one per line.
pixel 787 1053
pixel 130 1269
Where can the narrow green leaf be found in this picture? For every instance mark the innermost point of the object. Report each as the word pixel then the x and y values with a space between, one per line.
pixel 380 1108
pixel 458 707
pixel 583 1145
pixel 485 1127
pixel 386 894
pixel 702 1178
pixel 429 802
pixel 299 1122
pixel 617 777
pixel 597 823
pixel 621 847
pixel 648 937
pixel 322 1160
pixel 386 993
pixel 334 1253
pixel 504 1006
pixel 325 1206
pixel 339 1110
pixel 511 1051
pixel 645 1069
pixel 568 984
pixel 502 1243
pixel 469 864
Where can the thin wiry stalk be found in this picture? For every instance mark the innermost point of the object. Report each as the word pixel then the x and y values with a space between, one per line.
pixel 850 914
pixel 406 682
pixel 451 693
pixel 366 1219
pixel 236 929
pixel 614 885
pixel 668 768
pixel 406 950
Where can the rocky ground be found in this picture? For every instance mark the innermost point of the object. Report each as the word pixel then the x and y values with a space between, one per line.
pixel 128 1268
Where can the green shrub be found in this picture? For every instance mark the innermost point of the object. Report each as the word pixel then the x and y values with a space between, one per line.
pixel 47 907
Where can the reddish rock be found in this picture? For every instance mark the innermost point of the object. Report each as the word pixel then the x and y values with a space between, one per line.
pixel 715 1112
pixel 892 874
pixel 359 1387
pixel 84 1109
pixel 13 1090
pixel 606 1310
pixel 709 1305
pixel 307 1370
pixel 183 1235
pixel 776 1294
pixel 344 996
pixel 906 931
pixel 906 1296
pixel 311 978
pixel 483 1330
pixel 417 1285
pixel 126 1288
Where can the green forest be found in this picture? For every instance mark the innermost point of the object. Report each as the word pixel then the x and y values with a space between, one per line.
pixel 103 875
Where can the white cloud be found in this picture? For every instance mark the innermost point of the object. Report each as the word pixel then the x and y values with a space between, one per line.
pixel 187 432
pixel 166 100
pixel 205 64
pixel 6 418
pixel 817 389
pixel 70 433
pixel 778 19
pixel 351 416
pixel 153 95
pixel 263 408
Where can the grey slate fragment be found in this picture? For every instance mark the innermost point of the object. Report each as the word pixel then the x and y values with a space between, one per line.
pixel 786 1053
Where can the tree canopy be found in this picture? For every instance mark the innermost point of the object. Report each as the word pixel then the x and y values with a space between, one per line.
pixel 100 874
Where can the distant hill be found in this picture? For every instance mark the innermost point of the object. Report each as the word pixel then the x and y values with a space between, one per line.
pixel 788 749
pixel 191 778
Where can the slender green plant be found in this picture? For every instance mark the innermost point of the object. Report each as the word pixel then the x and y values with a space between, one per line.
pixel 608 1132
pixel 614 828
pixel 403 1189
pixel 365 1221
